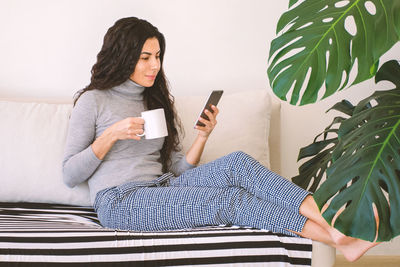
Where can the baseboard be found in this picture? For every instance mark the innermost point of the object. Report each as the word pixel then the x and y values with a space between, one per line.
pixel 369 261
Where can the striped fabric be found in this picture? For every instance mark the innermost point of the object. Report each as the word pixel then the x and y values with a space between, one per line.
pixel 33 234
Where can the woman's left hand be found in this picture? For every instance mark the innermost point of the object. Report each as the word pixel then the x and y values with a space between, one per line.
pixel 210 124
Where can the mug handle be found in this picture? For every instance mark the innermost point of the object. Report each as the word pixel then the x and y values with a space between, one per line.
pixel 143 134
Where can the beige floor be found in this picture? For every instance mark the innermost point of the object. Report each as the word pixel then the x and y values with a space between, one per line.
pixel 369 261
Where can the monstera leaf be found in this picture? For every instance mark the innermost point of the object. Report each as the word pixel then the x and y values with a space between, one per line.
pixel 365 170
pixel 321 41
pixel 312 171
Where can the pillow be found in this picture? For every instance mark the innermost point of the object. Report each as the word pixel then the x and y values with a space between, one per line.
pixel 242 124
pixel 32 145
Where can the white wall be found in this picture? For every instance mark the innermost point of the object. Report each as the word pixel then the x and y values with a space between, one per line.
pixel 49 46
pixel 47 49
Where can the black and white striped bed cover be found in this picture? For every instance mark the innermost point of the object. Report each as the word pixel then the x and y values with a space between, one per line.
pixel 34 234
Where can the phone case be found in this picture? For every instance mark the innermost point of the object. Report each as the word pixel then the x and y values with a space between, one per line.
pixel 212 99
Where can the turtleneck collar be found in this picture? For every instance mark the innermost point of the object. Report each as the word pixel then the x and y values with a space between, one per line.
pixel 129 90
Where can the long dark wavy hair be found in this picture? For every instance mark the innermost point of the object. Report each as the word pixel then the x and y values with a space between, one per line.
pixel 117 60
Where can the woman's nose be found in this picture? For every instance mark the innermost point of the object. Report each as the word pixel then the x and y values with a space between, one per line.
pixel 155 64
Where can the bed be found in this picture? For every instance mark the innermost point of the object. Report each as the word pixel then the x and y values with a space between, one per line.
pixel 39 234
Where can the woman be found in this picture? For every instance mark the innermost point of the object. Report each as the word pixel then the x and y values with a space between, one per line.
pixel 148 185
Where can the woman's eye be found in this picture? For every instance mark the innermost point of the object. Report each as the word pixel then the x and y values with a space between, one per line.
pixel 144 58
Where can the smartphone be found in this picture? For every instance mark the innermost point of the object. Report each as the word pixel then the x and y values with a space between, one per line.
pixel 212 99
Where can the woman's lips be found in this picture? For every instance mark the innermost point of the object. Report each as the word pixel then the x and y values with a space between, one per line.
pixel 151 77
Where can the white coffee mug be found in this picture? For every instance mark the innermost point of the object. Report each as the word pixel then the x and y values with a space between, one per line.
pixel 155 125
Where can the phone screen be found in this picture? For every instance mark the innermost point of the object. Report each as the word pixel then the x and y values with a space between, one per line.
pixel 212 99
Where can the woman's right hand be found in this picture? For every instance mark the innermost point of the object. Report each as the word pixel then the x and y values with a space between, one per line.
pixel 128 128
pixel 124 129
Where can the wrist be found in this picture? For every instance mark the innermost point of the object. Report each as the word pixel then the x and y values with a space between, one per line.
pixel 109 135
pixel 202 137
pixel 103 144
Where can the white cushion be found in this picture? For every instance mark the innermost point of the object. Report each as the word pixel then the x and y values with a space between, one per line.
pixel 33 138
pixel 242 124
pixel 32 144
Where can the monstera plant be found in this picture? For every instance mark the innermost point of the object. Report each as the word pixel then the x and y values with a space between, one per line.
pixel 324 46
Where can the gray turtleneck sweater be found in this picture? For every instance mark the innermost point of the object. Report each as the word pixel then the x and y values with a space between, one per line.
pixel 128 160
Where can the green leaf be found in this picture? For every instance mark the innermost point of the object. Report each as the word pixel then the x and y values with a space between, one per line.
pixel 344 106
pixel 319 152
pixel 312 171
pixel 292 2
pixel 366 167
pixel 390 71
pixel 315 42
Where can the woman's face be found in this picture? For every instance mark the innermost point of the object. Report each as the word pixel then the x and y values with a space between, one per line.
pixel 148 65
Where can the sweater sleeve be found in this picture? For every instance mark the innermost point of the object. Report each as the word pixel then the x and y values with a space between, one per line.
pixel 179 164
pixel 79 161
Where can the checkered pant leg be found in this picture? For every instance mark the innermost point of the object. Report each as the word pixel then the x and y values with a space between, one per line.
pixel 255 212
pixel 241 170
pixel 167 208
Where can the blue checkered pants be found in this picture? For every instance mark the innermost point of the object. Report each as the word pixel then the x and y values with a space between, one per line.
pixel 232 190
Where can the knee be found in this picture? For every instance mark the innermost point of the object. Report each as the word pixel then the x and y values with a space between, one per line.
pixel 237 158
pixel 240 155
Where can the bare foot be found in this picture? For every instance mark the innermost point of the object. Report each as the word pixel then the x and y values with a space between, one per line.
pixel 341 239
pixel 353 250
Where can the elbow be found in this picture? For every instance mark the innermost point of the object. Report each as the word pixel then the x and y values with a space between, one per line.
pixel 68 181
pixel 67 178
